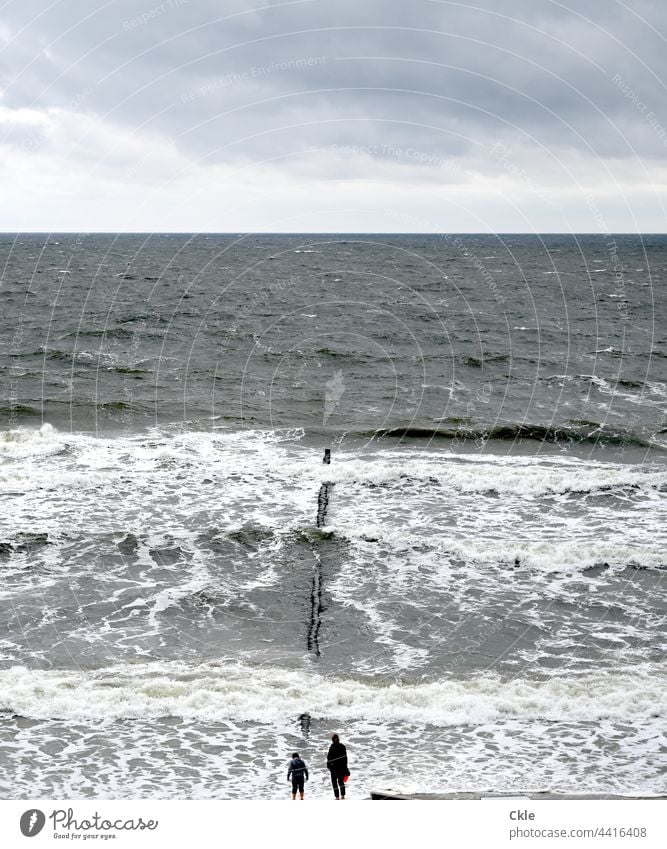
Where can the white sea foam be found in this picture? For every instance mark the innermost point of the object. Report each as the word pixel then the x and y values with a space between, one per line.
pixel 181 482
pixel 269 457
pixel 268 694
pixel 517 475
pixel 185 759
pixel 544 555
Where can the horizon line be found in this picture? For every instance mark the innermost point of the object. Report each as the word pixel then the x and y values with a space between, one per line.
pixel 330 233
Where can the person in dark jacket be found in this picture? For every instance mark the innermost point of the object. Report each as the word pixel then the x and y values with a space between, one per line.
pixel 337 765
pixel 297 772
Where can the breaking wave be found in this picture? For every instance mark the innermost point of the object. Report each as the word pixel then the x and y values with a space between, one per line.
pixel 219 691
pixel 596 435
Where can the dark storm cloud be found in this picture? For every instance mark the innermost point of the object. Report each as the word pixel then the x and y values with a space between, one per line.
pixel 236 82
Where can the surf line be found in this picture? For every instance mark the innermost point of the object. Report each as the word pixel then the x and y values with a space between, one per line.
pixel 316 588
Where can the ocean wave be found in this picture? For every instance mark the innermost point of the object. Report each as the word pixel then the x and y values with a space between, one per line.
pixel 644 388
pixel 500 476
pixel 110 332
pixel 24 542
pixel 134 372
pixel 269 460
pixel 554 556
pixel 220 691
pixel 94 358
pixel 538 556
pixel 598 435
pixel 19 411
pixel 481 361
pixel 31 443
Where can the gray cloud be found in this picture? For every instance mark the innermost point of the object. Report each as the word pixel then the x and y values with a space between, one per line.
pixel 393 82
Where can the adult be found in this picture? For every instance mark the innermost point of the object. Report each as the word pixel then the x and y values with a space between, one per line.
pixel 337 765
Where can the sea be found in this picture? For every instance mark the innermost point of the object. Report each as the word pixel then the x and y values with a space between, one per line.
pixel 477 603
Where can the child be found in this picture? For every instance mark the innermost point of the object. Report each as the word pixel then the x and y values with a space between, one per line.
pixel 297 772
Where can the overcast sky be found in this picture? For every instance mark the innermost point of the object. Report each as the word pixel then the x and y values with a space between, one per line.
pixel 333 115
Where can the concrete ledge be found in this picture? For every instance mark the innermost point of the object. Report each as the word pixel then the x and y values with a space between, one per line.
pixel 390 795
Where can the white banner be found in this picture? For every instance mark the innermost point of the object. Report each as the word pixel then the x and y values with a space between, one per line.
pixel 488 823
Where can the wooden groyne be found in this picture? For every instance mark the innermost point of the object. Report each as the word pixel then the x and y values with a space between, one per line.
pixel 313 638
pixel 323 504
pixel 324 494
